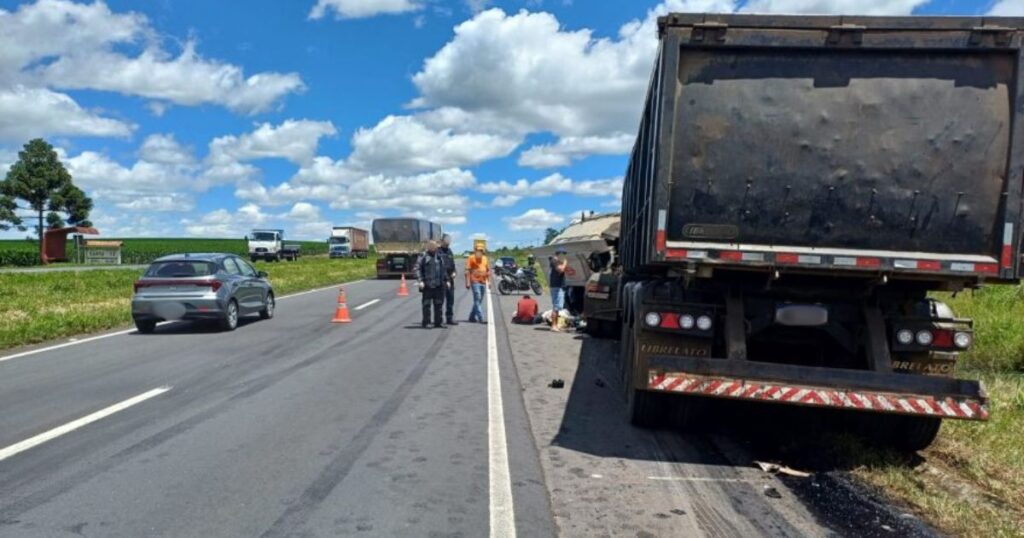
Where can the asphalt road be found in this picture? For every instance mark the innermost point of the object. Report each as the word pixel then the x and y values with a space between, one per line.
pixel 297 427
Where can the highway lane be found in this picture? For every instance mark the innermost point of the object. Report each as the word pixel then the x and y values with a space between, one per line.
pixel 297 427
pixel 283 427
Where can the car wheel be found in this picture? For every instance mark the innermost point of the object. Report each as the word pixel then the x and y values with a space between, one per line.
pixel 230 320
pixel 145 326
pixel 268 308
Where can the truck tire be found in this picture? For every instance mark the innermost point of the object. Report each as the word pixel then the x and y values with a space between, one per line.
pixel 645 409
pixel 910 434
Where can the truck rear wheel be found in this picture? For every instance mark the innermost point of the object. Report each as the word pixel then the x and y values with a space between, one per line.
pixel 645 409
pixel 911 434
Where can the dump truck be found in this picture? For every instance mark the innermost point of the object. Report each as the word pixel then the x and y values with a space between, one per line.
pixel 348 242
pixel 399 242
pixel 798 188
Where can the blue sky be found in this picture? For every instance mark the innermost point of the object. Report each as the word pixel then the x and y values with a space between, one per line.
pixel 192 117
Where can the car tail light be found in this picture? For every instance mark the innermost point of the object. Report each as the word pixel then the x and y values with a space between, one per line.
pixel 212 284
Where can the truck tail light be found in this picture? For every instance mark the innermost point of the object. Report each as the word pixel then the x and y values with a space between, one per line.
pixel 937 339
pixel 692 323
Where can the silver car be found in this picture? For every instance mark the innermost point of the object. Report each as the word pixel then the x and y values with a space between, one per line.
pixel 217 287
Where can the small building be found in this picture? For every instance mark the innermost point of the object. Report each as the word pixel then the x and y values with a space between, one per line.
pixel 55 242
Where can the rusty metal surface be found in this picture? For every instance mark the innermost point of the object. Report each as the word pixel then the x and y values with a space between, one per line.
pixel 868 150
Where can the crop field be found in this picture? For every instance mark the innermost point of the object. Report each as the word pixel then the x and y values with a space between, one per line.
pixel 22 253
pixel 37 307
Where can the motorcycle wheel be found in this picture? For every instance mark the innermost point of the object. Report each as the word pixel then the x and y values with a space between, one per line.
pixel 537 288
pixel 504 287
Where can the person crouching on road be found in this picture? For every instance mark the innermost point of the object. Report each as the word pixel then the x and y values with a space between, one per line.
pixel 449 270
pixel 556 281
pixel 478 273
pixel 430 273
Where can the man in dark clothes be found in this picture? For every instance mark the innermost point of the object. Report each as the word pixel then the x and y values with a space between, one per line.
pixel 449 268
pixel 430 272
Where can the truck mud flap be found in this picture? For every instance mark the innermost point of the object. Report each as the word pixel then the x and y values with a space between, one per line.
pixel 905 394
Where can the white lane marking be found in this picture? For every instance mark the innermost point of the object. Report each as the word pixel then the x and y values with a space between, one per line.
pixel 367 303
pixel 75 424
pixel 503 523
pixel 129 331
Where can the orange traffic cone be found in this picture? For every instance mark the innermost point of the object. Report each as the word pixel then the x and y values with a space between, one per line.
pixel 341 313
pixel 403 290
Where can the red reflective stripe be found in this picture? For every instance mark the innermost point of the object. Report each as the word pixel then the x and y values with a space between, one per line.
pixel 1007 258
pixel 675 383
pixel 986 268
pixel 868 262
pixel 929 265
pixel 917 406
pixel 657 380
pixel 660 240
pixel 712 386
pixel 675 253
pixel 750 390
pixel 731 255
pixel 787 258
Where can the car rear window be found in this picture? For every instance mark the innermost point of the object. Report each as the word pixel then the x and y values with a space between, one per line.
pixel 181 269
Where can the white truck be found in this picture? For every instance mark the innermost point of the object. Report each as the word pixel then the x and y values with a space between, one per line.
pixel 348 242
pixel 269 245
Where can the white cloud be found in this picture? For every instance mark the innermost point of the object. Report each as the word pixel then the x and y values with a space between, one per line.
pixel 407 144
pixel 1007 8
pixel 534 219
pixel 165 149
pixel 566 149
pixel 27 113
pixel 358 9
pixel 549 185
pixel 826 7
pixel 506 200
pixel 69 45
pixel 295 140
pixel 304 211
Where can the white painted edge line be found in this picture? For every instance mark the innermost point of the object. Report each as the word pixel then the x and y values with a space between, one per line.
pixel 502 512
pixel 367 304
pixel 75 424
pixel 129 331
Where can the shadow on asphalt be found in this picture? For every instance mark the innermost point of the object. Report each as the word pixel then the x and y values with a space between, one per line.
pixel 812 439
pixel 196 327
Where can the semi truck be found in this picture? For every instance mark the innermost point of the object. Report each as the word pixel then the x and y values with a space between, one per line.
pixel 399 242
pixel 348 242
pixel 269 245
pixel 799 188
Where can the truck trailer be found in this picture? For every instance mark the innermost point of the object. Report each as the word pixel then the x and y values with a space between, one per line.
pixel 348 242
pixel 399 242
pixel 798 188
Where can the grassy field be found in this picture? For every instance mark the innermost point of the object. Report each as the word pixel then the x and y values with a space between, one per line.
pixel 23 253
pixel 971 480
pixel 44 306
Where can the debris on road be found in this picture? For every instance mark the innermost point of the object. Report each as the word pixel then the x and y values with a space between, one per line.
pixel 776 468
pixel 557 383
pixel 772 492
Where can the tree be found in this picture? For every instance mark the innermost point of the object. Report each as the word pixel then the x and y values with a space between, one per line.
pixel 38 182
pixel 549 235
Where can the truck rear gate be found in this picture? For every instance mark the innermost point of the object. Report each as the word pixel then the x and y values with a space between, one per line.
pixel 878 145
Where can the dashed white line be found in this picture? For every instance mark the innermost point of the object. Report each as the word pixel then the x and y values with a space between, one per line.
pixel 129 331
pixel 75 424
pixel 367 303
pixel 503 523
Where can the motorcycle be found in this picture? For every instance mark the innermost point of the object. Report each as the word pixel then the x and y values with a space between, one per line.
pixel 520 280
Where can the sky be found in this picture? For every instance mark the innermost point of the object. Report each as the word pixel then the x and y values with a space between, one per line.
pixel 494 118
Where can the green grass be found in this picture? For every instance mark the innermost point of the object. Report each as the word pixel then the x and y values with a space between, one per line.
pixel 38 307
pixel 23 253
pixel 998 314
